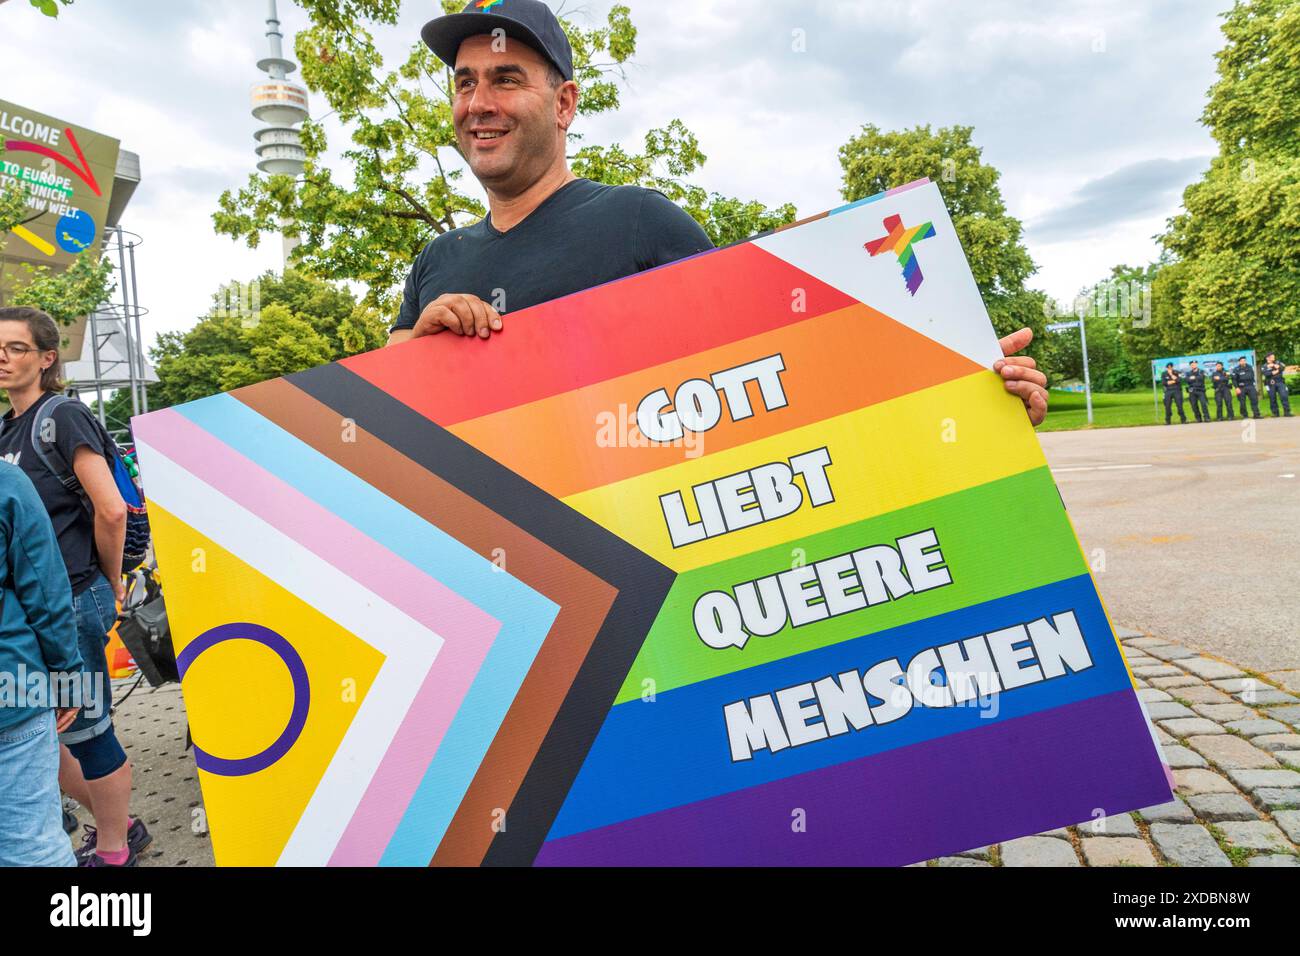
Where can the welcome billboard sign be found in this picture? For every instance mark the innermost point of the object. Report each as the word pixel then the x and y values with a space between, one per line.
pixel 749 559
pixel 66 174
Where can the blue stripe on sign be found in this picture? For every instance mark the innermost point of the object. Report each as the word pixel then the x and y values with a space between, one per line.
pixel 654 755
pixel 526 616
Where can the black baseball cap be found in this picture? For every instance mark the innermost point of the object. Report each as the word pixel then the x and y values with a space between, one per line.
pixel 529 21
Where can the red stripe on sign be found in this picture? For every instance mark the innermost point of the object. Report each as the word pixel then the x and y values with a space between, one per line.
pixel 611 330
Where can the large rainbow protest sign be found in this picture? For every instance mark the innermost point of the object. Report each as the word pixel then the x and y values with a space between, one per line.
pixel 748 559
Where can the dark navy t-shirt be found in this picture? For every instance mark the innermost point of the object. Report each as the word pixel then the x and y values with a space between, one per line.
pixel 582 235
pixel 74 526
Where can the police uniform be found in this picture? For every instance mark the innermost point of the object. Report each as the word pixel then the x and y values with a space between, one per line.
pixel 1222 393
pixel 1243 376
pixel 1275 382
pixel 1173 393
pixel 1196 393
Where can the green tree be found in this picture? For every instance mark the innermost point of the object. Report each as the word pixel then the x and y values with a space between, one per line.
pixel 50 7
pixel 1235 277
pixel 368 220
pixel 1126 327
pixel 875 160
pixel 270 327
pixel 117 411
pixel 67 294
pixel 13 206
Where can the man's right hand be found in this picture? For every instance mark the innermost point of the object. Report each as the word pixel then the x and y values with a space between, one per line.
pixel 458 312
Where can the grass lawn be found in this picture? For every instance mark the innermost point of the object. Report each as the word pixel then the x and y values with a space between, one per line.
pixel 1067 411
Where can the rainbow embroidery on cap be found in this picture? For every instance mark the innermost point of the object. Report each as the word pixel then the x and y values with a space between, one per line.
pixel 487 4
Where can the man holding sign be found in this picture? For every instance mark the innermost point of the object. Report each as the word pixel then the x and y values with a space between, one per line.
pixel 548 233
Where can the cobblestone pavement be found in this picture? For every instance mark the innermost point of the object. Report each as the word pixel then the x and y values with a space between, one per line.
pixel 151 726
pixel 1231 738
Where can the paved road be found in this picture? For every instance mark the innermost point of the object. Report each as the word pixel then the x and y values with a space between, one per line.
pixel 1197 527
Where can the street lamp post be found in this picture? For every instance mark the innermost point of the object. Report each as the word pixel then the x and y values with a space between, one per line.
pixel 1083 344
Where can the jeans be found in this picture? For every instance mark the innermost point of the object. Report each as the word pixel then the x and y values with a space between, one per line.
pixel 31 813
pixel 95 611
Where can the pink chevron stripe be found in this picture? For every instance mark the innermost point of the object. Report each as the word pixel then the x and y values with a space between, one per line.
pixel 467 630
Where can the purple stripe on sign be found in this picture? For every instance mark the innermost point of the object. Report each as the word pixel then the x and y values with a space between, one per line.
pixel 1015 777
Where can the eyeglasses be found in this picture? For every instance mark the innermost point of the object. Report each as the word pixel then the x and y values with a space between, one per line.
pixel 17 350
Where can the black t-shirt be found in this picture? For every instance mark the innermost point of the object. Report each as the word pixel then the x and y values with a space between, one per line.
pixel 582 235
pixel 73 525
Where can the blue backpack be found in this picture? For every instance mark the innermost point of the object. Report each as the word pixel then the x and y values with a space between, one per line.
pixel 136 545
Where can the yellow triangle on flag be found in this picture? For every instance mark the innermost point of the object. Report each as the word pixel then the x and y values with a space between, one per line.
pixel 238 718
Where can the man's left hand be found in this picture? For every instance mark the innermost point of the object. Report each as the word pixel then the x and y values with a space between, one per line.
pixel 1021 376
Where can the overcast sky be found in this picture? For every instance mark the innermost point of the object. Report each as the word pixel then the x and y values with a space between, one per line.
pixel 1089 109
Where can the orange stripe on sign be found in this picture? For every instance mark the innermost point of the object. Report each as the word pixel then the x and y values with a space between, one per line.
pixel 614 329
pixel 874 359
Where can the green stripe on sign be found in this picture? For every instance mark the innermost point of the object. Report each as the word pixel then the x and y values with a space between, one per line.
pixel 997 539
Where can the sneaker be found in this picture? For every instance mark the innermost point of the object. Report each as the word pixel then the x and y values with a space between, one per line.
pixel 96 860
pixel 137 838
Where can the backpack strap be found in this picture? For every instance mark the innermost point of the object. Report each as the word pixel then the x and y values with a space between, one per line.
pixel 49 453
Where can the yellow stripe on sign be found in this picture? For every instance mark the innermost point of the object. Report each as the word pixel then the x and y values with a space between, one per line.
pixel 22 232
pixel 930 443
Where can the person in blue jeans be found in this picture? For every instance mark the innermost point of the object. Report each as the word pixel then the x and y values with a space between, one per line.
pixel 93 767
pixel 38 646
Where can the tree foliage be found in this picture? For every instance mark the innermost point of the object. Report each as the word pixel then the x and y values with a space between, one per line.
pixel 1235 281
pixel 368 219
pixel 50 7
pixel 270 327
pixel 66 294
pixel 1123 330
pixel 876 160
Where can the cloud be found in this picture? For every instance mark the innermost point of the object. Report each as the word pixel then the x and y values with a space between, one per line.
pixel 1055 94
pixel 1137 191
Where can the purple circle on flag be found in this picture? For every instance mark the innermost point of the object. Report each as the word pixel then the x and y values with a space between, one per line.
pixel 243 631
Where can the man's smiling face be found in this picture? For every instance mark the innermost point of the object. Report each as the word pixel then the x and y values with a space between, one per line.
pixel 510 121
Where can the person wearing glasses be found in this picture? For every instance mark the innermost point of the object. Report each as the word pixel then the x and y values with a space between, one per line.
pixel 93 768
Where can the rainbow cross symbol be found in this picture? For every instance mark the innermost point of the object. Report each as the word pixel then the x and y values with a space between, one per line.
pixel 486 4
pixel 900 242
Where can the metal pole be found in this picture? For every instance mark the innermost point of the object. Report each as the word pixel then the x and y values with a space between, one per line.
pixel 1087 380
pixel 1155 394
pixel 94 355
pixel 126 317
pixel 139 339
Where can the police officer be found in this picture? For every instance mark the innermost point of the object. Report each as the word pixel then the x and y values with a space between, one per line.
pixel 1196 393
pixel 1243 376
pixel 1173 393
pixel 1222 391
pixel 1275 382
